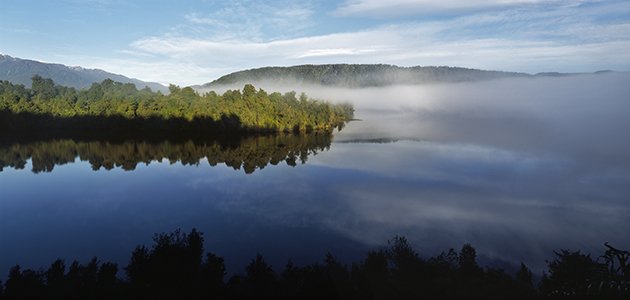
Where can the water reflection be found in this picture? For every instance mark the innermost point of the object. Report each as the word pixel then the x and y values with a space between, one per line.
pixel 249 153
pixel 517 177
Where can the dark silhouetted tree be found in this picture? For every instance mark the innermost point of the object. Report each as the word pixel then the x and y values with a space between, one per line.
pixel 468 260
pixel 260 278
pixel 27 284
pixel 174 268
pixel 524 275
pixel 106 279
pixel 572 274
pixel 212 274
pixel 138 268
pixel 407 267
pixel 56 279
pixel 371 277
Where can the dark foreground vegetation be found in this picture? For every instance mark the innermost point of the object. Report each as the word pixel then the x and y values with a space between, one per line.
pixel 112 105
pixel 249 152
pixel 176 267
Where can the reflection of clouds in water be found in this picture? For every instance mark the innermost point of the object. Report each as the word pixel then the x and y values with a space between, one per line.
pixel 503 171
pixel 518 167
pixel 482 194
pixel 455 162
pixel 282 194
pixel 602 146
pixel 582 117
pixel 510 227
pixel 512 206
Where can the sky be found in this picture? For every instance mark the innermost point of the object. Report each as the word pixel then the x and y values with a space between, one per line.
pixel 191 42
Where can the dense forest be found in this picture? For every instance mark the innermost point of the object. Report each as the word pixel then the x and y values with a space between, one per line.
pixel 249 153
pixel 355 76
pixel 177 267
pixel 114 105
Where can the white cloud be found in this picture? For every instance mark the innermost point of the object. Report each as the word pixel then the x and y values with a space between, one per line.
pixel 243 35
pixel 381 8
pixel 252 20
pixel 233 52
pixel 335 52
pixel 407 44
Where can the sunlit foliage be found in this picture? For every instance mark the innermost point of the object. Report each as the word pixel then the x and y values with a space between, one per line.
pixel 247 109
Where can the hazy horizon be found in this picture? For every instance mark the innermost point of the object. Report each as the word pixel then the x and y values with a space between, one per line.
pixel 197 42
pixel 239 85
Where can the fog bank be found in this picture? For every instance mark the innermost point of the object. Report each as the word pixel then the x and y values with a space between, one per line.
pixel 518 167
pixel 585 116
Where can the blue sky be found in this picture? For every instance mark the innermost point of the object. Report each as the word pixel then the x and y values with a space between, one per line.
pixel 192 42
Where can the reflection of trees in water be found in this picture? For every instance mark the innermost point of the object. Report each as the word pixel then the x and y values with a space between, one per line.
pixel 249 153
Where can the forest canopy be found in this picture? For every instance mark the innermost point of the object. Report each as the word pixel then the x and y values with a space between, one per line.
pixel 247 109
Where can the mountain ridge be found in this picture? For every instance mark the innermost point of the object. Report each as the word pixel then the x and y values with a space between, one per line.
pixel 20 71
pixel 360 75
pixel 366 75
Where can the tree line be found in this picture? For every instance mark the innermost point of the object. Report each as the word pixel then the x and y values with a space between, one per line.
pixel 176 267
pixel 112 104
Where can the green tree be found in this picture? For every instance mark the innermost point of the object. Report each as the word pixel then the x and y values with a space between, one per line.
pixel 43 89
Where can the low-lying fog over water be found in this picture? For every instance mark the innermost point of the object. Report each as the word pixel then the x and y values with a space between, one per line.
pixel 516 167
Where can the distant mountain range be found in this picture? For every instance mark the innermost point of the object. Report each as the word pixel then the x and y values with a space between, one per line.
pixel 347 75
pixel 20 71
pixel 364 75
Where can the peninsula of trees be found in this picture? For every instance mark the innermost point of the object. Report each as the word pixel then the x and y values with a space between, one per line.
pixel 114 105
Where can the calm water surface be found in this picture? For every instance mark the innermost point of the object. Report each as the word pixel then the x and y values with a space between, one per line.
pixel 517 180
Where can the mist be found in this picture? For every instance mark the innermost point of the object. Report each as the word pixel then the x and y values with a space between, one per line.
pixel 518 167
pixel 584 116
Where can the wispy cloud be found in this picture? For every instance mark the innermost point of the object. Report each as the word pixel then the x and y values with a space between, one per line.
pixel 335 52
pixel 394 8
pixel 236 53
pixel 566 36
pixel 254 20
pixel 529 56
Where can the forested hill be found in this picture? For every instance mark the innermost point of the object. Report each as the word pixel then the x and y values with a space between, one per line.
pixel 346 75
pixel 20 71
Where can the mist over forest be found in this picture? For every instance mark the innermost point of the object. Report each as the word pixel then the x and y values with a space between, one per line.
pixel 536 115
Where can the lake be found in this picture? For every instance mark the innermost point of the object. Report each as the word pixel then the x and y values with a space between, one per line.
pixel 517 168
